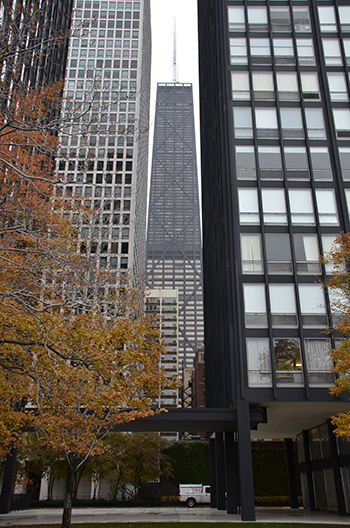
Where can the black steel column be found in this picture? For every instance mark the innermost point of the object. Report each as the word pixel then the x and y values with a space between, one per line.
pixel 310 484
pixel 212 473
pixel 292 482
pixel 231 482
pixel 336 470
pixel 220 471
pixel 245 461
pixel 8 482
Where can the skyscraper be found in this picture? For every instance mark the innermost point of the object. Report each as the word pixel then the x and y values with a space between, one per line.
pixel 275 123
pixel 173 236
pixel 34 42
pixel 108 84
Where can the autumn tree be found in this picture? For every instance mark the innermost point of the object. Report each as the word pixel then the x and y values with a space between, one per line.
pixel 339 287
pixel 77 354
pixel 131 459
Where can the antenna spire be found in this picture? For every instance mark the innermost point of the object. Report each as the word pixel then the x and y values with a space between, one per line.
pixel 174 55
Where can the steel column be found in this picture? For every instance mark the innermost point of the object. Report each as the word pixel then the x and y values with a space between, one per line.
pixel 231 481
pixel 212 471
pixel 220 471
pixel 245 461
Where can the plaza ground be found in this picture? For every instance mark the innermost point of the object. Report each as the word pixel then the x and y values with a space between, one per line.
pixel 167 515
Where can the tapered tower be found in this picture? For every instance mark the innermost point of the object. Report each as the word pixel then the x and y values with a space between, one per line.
pixel 174 238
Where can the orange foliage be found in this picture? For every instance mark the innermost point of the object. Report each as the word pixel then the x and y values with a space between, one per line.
pixel 80 370
pixel 339 256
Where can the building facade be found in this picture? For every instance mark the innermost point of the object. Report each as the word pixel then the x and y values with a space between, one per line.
pixel 173 237
pixel 275 131
pixel 163 304
pixel 104 156
pixel 34 43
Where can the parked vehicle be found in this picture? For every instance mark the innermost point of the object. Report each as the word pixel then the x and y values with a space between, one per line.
pixel 193 494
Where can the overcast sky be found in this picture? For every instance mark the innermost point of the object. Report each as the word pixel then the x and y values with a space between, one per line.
pixel 163 13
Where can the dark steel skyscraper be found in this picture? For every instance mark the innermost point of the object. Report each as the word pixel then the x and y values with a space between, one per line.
pixel 174 238
pixel 275 136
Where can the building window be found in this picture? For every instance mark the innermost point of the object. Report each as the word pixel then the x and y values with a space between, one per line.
pixel 327 207
pixel 297 167
pixel 283 307
pixel 278 254
pixel 312 306
pixel 315 123
pixel 332 53
pixel 342 122
pixel 245 163
pixel 321 165
pixel 301 18
pixel 280 19
pixel 346 44
pixel 248 206
pixel 344 16
pixel 240 85
pixel 274 206
pixel 266 122
pixel 238 51
pixel 337 87
pixel 338 304
pixel 259 362
pixel 255 305
pixel 257 19
pixel 307 254
pixel 283 51
pixel 291 123
pixel 260 51
pixel 309 86
pixel 288 362
pixel 306 53
pixel 301 208
pixel 344 155
pixel 263 87
pixel 326 15
pixel 236 18
pixel 251 254
pixel 270 163
pixel 287 85
pixel 242 119
pixel 327 243
pixel 318 362
pixel 347 196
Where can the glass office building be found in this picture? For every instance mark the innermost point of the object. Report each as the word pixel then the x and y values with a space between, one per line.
pixel 174 259
pixel 275 121
pixel 104 157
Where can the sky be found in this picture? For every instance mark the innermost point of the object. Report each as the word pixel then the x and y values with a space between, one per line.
pixel 163 13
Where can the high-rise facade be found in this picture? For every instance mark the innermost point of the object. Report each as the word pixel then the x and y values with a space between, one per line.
pixel 34 42
pixel 104 155
pixel 163 304
pixel 173 235
pixel 275 125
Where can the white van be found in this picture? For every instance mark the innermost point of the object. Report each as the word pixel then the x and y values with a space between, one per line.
pixel 193 494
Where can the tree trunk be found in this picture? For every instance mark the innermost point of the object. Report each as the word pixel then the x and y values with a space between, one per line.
pixel 69 492
pixel 78 476
pixel 50 490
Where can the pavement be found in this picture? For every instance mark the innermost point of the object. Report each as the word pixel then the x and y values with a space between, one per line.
pixel 166 514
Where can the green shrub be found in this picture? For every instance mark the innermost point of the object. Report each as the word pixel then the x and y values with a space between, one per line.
pixel 190 462
pixel 275 501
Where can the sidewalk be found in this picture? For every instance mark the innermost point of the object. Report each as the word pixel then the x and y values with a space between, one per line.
pixel 163 515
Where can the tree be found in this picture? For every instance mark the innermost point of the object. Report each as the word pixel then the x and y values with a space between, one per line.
pixel 74 347
pixel 130 458
pixel 339 285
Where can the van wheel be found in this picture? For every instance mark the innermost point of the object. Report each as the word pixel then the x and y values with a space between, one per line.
pixel 191 503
